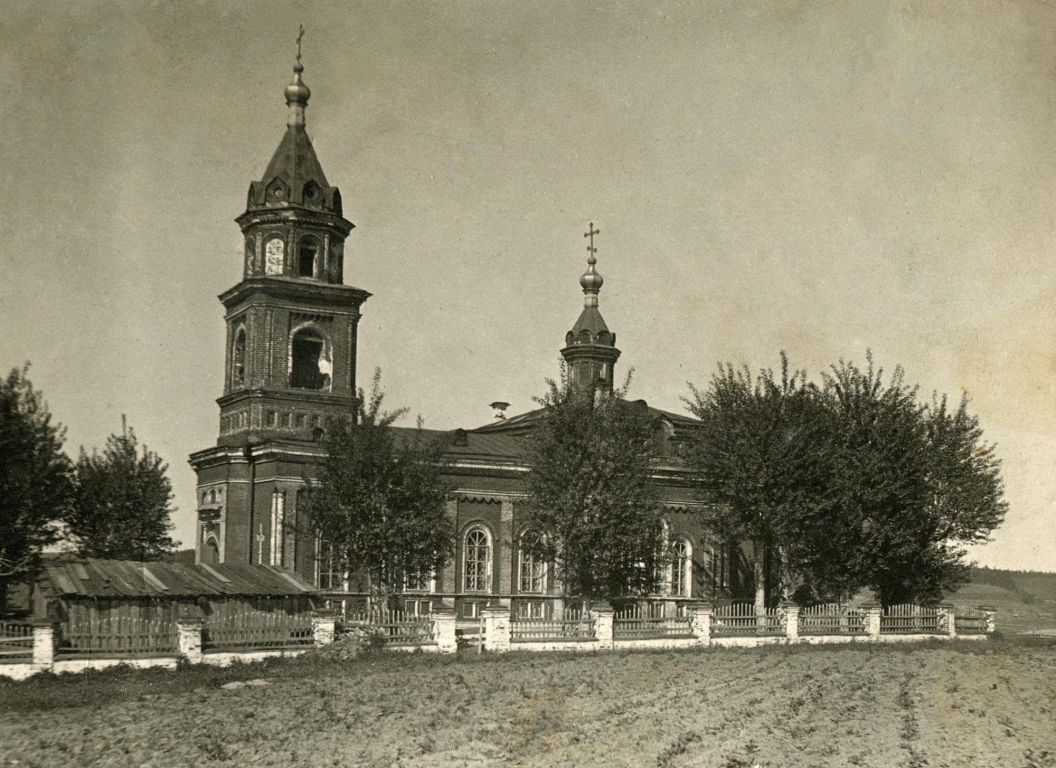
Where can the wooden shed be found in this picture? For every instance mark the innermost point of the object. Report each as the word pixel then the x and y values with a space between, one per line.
pixel 75 590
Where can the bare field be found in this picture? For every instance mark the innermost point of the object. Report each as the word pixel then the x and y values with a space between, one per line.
pixel 934 704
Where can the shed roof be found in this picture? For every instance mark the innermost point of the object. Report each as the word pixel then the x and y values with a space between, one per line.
pixel 129 578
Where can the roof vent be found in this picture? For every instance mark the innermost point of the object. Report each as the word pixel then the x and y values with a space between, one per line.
pixel 500 409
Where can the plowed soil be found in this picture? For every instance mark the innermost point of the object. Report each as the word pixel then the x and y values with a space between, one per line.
pixel 954 704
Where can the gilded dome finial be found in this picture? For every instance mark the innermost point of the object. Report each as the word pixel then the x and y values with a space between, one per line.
pixel 591 279
pixel 297 93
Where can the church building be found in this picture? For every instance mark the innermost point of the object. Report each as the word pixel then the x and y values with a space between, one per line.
pixel 290 371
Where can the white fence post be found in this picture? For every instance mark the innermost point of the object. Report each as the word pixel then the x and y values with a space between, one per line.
pixel 603 616
pixel 189 639
pixel 444 630
pixel 871 621
pixel 324 628
pixel 43 646
pixel 496 628
pixel 791 612
pixel 700 623
pixel 947 620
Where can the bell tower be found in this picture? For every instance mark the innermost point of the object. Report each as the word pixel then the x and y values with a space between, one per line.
pixel 291 322
pixel 290 360
pixel 590 348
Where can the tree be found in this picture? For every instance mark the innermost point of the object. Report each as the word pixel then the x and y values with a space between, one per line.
pixel 122 504
pixel 591 493
pixel 758 455
pixel 855 483
pixel 34 479
pixel 915 483
pixel 381 499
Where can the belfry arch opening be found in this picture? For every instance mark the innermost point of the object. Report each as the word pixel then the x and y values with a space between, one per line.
pixel 310 365
pixel 307 253
pixel 238 359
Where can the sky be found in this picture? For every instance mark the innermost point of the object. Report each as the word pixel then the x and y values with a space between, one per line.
pixel 824 178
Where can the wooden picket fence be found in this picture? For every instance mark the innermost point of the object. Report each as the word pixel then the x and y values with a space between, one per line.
pixel 969 620
pixel 647 622
pixel 574 624
pixel 740 620
pixel 393 627
pixel 16 641
pixel 910 619
pixel 831 619
pixel 257 630
pixel 88 635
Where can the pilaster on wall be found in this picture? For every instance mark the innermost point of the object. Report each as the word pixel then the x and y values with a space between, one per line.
pixel 448 577
pixel 504 550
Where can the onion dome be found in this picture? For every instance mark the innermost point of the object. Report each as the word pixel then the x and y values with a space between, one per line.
pixel 591 279
pixel 297 95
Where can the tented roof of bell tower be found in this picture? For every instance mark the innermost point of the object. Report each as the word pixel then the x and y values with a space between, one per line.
pixel 294 176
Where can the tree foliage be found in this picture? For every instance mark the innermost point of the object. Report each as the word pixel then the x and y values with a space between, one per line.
pixel 381 499
pixel 759 455
pixel 34 478
pixel 591 494
pixel 915 483
pixel 122 507
pixel 855 481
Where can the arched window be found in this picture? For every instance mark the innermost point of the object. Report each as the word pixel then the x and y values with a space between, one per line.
pixel 275 256
pixel 336 263
pixel 532 566
pixel 212 497
pixel 238 359
pixel 419 581
pixel 681 568
pixel 310 365
pixel 662 434
pixel 211 552
pixel 307 252
pixel 476 554
pixel 329 567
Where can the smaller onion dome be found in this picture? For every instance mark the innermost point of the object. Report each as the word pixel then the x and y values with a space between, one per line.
pixel 591 279
pixel 297 92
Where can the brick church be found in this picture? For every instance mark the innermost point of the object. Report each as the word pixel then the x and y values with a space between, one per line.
pixel 290 370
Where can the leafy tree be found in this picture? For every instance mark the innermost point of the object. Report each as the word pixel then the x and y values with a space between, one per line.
pixel 591 493
pixel 122 504
pixel 915 483
pixel 381 499
pixel 759 457
pixel 856 483
pixel 34 479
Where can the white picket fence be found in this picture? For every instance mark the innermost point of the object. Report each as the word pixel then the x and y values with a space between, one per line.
pixel 16 641
pixel 573 624
pixel 647 622
pixel 740 620
pixel 831 619
pixel 391 627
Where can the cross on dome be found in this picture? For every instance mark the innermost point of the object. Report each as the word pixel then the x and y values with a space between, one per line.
pixel 591 279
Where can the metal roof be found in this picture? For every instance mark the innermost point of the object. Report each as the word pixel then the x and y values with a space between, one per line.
pixel 130 578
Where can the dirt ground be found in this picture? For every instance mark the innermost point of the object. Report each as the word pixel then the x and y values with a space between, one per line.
pixel 964 704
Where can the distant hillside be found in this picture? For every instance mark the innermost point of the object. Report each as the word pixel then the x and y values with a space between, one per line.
pixel 1025 600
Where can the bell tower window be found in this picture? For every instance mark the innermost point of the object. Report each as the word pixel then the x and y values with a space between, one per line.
pixel 307 252
pixel 310 365
pixel 274 256
pixel 238 360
